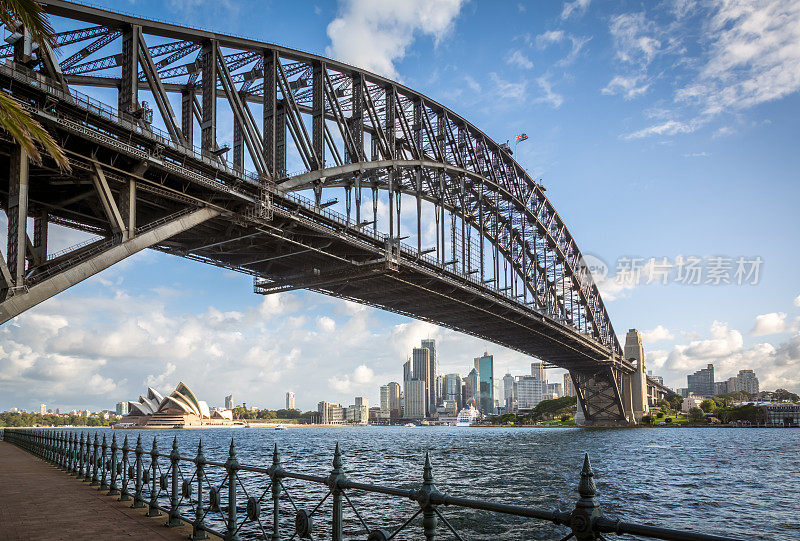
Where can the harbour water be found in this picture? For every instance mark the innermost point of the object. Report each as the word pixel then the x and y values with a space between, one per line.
pixel 738 482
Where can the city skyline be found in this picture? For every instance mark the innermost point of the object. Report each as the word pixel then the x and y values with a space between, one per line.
pixel 657 175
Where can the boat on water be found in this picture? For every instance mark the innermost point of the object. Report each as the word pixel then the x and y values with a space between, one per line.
pixel 280 427
pixel 409 425
pixel 467 416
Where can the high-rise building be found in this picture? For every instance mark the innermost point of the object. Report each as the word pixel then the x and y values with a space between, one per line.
pixel 395 410
pixel 529 391
pixel 471 388
pixel 702 381
pixel 554 390
pixel 408 370
pixel 451 389
pixel 423 369
pixel 430 345
pixel 508 393
pixel 538 371
pixel 484 367
pixel 569 388
pixel 122 408
pixel 416 395
pixel 43 409
pixel 745 381
pixel 290 400
pixel 229 402
pixel 384 403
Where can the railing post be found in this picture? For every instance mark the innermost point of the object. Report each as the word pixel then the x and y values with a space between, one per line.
pixel 113 489
pixel 429 520
pixel 198 528
pixel 79 464
pixel 337 474
pixel 138 501
pixel 231 465
pixel 275 477
pixel 174 458
pixel 153 509
pixel 62 450
pixel 95 450
pixel 103 464
pixel 587 510
pixel 124 495
pixel 70 453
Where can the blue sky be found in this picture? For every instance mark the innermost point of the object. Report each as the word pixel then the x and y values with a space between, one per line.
pixel 660 129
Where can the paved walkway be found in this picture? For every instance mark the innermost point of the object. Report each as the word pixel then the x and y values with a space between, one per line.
pixel 39 501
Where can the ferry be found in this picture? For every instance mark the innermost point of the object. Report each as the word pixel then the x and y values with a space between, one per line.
pixel 467 416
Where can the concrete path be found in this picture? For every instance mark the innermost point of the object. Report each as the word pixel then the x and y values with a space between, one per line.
pixel 39 501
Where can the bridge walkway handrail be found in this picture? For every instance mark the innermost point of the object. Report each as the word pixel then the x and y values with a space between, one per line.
pixel 166 482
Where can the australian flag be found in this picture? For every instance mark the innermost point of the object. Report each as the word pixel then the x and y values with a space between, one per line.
pixel 520 137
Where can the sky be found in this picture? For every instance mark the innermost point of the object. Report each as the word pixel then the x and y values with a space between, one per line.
pixel 666 136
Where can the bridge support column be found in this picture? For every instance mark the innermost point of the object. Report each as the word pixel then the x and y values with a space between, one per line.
pixel 634 352
pixel 17 212
pixel 599 397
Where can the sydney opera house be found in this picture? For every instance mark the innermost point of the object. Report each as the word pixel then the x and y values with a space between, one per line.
pixel 179 409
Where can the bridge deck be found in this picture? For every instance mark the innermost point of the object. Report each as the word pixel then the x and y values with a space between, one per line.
pixel 37 501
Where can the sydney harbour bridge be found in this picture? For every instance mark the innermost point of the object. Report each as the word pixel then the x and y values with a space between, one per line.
pixel 374 163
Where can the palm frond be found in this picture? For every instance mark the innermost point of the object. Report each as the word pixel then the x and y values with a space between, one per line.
pixel 31 15
pixel 27 132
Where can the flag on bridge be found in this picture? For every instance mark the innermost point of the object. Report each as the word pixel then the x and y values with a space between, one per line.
pixel 520 137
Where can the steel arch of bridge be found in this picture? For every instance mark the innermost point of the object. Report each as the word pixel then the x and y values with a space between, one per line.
pixel 352 131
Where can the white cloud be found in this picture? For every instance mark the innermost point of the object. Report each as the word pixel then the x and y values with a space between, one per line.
pixel 696 155
pixel 797 301
pixel 507 89
pixel 772 323
pixel 363 374
pixel 629 87
pixel 634 38
pixel 551 97
pixel 657 334
pixel 723 131
pixel 517 58
pixel 578 7
pixel 472 83
pixel 374 34
pixel 326 324
pixel 670 127
pixel 554 37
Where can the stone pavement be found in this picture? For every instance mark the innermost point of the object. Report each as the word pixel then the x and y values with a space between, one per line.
pixel 39 501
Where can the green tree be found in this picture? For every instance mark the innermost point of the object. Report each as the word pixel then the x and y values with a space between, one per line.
pixel 696 415
pixel 13 118
pixel 647 420
pixel 784 395
pixel 708 405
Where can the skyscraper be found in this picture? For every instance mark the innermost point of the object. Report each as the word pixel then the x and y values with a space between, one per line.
pixel 43 410
pixel 290 400
pixel 471 388
pixel 508 393
pixel 430 345
pixel 745 381
pixel 530 390
pixel 229 402
pixel 423 370
pixel 569 389
pixel 702 381
pixel 451 389
pixel 416 399
pixel 484 368
pixel 394 400
pixel 538 370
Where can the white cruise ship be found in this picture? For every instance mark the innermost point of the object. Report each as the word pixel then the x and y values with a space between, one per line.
pixel 467 416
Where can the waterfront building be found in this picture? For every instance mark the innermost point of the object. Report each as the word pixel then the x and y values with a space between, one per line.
pixel 384 402
pixel 330 413
pixel 529 391
pixel 42 409
pixel 229 402
pixel 122 408
pixel 415 394
pixel 290 400
pixel 451 389
pixel 702 381
pixel 569 388
pixel 782 415
pixel 692 401
pixel 484 368
pixel 180 409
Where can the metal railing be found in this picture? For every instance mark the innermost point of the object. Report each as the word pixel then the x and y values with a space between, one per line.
pixel 234 501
